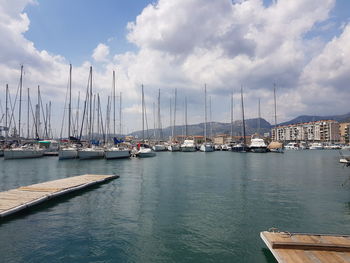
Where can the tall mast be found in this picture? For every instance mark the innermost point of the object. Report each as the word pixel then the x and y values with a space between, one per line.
pixel 28 114
pixel 20 102
pixel 77 114
pixel 114 103
pixel 175 112
pixel 205 112
pixel 38 114
pixel 170 119
pixel 159 125
pixel 274 97
pixel 6 110
pixel 232 115
pixel 210 118
pixel 120 114
pixel 259 116
pixel 243 121
pixel 70 101
pixel 154 120
pixel 50 130
pixel 143 113
pixel 186 128
pixel 90 115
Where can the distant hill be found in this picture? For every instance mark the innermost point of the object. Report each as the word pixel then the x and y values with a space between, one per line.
pixel 217 128
pixel 309 118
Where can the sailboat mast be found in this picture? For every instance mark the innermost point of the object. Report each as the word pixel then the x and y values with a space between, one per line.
pixel 70 101
pixel 259 116
pixel 170 119
pixel 120 114
pixel 114 103
pixel 186 127
pixel 20 102
pixel 232 115
pixel 28 114
pixel 159 126
pixel 210 119
pixel 243 121
pixel 6 110
pixel 274 98
pixel 175 101
pixel 143 114
pixel 90 115
pixel 205 113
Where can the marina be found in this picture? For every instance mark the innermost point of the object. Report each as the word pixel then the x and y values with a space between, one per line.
pixel 177 207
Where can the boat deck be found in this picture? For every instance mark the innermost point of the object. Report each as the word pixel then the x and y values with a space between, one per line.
pixel 15 200
pixel 307 248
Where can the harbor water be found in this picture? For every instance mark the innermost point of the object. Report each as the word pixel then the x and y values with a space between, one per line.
pixel 176 207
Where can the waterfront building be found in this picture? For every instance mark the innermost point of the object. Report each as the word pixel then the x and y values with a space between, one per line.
pixel 322 131
pixel 344 132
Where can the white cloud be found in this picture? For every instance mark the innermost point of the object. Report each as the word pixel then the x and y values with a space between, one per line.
pixel 186 43
pixel 101 53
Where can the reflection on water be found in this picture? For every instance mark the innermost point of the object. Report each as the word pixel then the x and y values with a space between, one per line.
pixel 176 207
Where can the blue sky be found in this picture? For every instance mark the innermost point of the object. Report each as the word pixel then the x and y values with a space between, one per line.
pixel 74 28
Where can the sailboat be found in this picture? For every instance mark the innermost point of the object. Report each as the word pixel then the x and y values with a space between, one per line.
pixel 143 149
pixel 116 151
pixel 257 144
pixel 275 146
pixel 241 146
pixel 173 146
pixel 68 151
pixel 91 151
pixel 27 150
pixel 159 147
pixel 206 146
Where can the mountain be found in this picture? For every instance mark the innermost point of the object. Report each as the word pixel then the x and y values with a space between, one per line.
pixel 309 118
pixel 217 128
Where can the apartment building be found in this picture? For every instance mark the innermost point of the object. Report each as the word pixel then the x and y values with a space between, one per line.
pixel 344 132
pixel 322 131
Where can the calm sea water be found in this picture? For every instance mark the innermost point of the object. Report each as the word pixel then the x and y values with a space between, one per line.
pixel 176 207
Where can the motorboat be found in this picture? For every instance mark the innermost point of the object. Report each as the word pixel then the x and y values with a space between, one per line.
pixel 159 148
pixel 188 146
pixel 316 146
pixel 144 151
pixel 91 153
pixel 68 152
pixel 275 147
pixel 258 145
pixel 174 147
pixel 217 147
pixel 207 147
pixel 239 147
pixel 24 152
pixel 292 146
pixel 117 152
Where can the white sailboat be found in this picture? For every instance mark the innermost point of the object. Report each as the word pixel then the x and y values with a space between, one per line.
pixel 68 151
pixel 275 146
pixel 93 152
pixel 143 150
pixel 116 151
pixel 173 145
pixel 206 146
pixel 257 144
pixel 23 152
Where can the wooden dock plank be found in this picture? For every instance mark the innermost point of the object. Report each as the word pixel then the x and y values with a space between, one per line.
pixel 309 248
pixel 15 200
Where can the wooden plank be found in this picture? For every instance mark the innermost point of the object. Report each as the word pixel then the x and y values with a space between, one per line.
pixel 308 248
pixel 311 246
pixel 15 200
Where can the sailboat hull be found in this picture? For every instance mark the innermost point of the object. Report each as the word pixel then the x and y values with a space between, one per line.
pixel 22 154
pixel 91 154
pixel 65 154
pixel 117 154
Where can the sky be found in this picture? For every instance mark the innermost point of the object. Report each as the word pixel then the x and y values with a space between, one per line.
pixel 303 46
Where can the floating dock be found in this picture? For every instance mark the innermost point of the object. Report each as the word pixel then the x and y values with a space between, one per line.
pixel 307 248
pixel 15 200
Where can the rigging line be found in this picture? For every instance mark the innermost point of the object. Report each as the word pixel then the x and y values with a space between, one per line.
pixel 13 107
pixel 34 119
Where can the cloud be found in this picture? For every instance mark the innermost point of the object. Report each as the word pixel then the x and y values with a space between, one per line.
pixel 185 43
pixel 100 53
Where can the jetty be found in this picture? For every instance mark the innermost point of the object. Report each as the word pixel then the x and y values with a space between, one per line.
pixel 16 200
pixel 307 248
